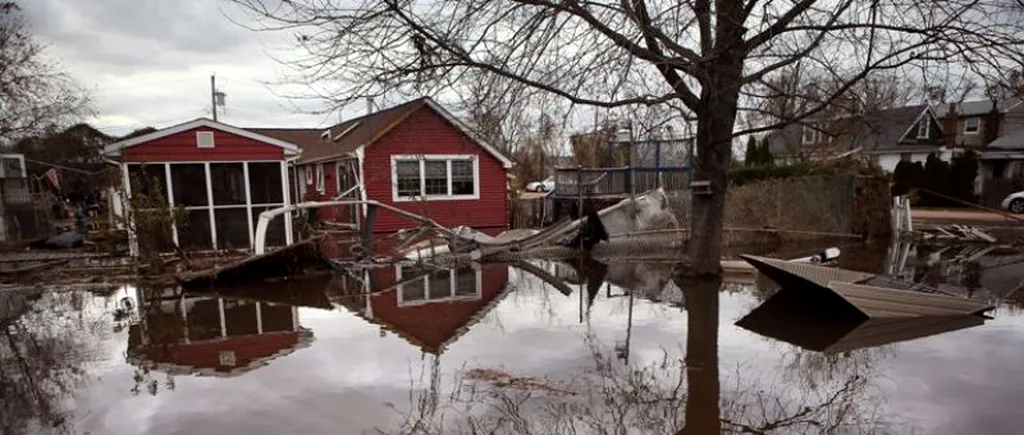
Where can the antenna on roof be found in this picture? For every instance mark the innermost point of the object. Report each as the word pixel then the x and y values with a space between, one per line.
pixel 216 97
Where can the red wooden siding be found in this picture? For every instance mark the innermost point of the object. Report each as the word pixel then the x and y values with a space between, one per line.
pixel 206 354
pixel 426 132
pixel 182 147
pixel 432 324
pixel 337 213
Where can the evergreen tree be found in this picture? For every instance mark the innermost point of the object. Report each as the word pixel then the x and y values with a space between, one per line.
pixel 963 171
pixel 765 153
pixel 750 156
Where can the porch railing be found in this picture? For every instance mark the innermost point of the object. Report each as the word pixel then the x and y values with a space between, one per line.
pixel 618 181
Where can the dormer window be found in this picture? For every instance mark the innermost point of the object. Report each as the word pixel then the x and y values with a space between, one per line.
pixel 923 129
pixel 810 135
pixel 972 125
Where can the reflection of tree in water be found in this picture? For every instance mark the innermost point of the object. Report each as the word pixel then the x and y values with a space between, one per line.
pixel 815 393
pixel 42 357
pixel 162 331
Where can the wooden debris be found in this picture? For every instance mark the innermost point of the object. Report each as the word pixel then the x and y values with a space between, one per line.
pixel 301 258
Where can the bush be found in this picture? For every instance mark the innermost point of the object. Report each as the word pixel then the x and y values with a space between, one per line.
pixel 739 176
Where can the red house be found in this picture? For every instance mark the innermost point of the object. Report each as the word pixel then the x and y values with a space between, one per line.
pixel 211 336
pixel 429 310
pixel 415 156
pixel 223 176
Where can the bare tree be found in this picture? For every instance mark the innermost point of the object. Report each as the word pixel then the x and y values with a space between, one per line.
pixel 35 95
pixel 696 56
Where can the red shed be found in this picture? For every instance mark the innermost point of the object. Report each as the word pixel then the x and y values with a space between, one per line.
pixel 416 156
pixel 223 176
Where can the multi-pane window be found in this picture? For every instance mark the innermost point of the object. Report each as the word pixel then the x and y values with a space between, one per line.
pixel 923 128
pixel 420 286
pixel 972 125
pixel 435 177
pixel 221 200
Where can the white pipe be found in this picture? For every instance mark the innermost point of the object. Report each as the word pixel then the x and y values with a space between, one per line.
pixel 261 228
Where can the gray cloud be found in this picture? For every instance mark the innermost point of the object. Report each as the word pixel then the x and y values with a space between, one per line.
pixel 147 62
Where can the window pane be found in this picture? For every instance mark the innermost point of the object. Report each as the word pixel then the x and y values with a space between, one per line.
pixel 265 183
pixel 276 317
pixel 436 177
pixel 204 320
pixel 275 229
pixel 194 233
pixel 408 178
pixel 347 178
pixel 228 183
pixel 240 317
pixel 232 228
pixel 13 169
pixel 413 290
pixel 462 177
pixel 189 182
pixel 441 284
pixel 465 282
pixel 148 181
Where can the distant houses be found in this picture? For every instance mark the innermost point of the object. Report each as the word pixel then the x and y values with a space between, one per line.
pixel 993 129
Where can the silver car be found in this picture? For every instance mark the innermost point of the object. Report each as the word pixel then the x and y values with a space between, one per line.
pixel 1014 202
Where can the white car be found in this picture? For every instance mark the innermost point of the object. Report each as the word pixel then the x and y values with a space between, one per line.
pixel 541 186
pixel 1014 202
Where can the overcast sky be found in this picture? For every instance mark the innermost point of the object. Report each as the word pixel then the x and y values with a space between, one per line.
pixel 148 62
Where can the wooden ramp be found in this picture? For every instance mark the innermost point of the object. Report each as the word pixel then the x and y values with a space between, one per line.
pixel 860 290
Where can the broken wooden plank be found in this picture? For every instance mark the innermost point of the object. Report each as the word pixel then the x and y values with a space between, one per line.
pixel 296 259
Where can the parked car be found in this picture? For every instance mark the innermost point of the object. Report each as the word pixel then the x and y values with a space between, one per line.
pixel 1014 202
pixel 541 186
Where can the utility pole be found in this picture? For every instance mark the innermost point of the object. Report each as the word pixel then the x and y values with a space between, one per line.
pixel 213 96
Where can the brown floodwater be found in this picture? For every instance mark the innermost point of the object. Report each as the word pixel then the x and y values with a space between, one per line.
pixel 609 348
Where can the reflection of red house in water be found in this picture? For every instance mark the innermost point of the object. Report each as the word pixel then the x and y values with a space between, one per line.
pixel 430 309
pixel 211 335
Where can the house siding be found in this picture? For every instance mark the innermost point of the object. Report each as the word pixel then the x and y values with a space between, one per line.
pixel 335 213
pixel 181 147
pixel 433 324
pixel 426 132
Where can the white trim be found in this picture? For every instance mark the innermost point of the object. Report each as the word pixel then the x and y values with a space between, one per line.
pixel 422 158
pixel 170 202
pixel 451 295
pixel 248 201
pixel 207 137
pixel 320 185
pixel 924 129
pixel 114 149
pixel 209 205
pixel 15 156
pixel 288 230
pixel 133 239
pixel 977 127
pixel 505 162
pixel 913 125
pixel 360 157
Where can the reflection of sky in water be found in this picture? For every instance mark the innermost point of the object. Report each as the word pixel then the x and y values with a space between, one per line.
pixel 960 382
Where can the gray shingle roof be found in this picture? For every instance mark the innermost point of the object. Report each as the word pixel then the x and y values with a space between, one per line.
pixel 881 131
pixel 976 108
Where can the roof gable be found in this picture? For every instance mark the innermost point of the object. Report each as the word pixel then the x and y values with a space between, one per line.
pixel 352 134
pixel 114 149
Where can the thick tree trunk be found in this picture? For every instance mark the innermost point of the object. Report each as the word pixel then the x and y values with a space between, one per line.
pixel 703 390
pixel 715 120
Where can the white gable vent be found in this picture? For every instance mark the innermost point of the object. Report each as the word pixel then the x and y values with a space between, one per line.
pixel 204 139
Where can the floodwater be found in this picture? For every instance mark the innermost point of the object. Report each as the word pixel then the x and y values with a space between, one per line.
pixel 619 348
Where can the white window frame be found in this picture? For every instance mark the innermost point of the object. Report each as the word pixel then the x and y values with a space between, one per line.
pixel 249 206
pixel 307 173
pixel 205 134
pixel 451 295
pixel 422 158
pixel 809 135
pixel 320 177
pixel 924 129
pixel 977 125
